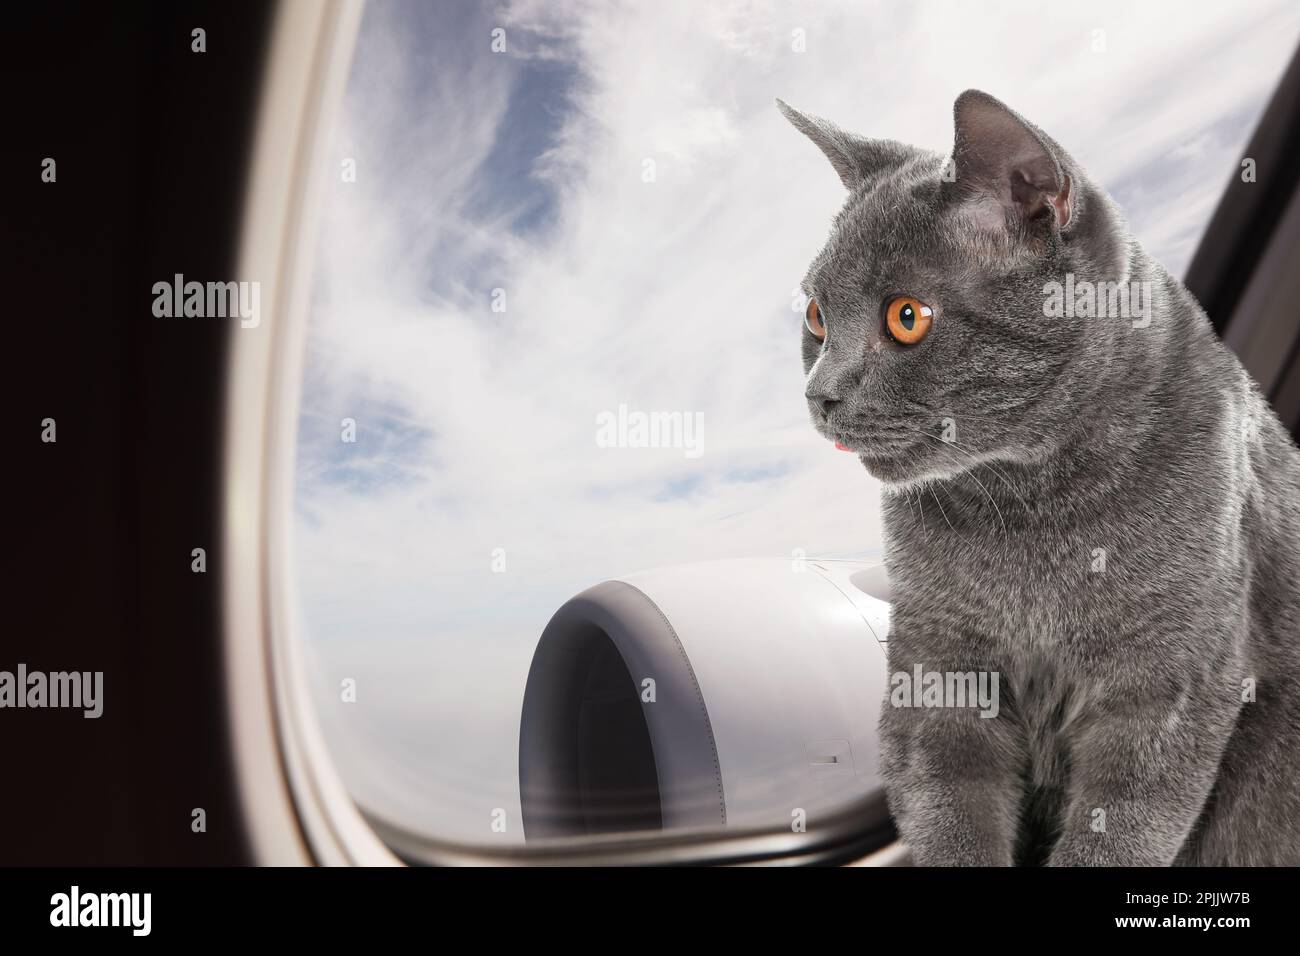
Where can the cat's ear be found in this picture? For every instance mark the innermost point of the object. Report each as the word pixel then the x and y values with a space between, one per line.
pixel 1007 166
pixel 854 157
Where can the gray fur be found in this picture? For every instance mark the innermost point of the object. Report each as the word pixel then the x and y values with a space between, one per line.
pixel 1122 689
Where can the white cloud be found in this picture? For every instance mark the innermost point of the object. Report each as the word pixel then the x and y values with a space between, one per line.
pixel 477 429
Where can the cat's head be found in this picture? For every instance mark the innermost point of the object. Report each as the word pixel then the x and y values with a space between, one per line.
pixel 926 344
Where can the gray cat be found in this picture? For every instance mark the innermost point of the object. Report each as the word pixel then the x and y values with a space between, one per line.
pixel 1086 499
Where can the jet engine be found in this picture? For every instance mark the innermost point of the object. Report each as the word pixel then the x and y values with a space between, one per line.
pixel 729 693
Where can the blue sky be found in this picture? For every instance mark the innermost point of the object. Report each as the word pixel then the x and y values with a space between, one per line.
pixel 524 171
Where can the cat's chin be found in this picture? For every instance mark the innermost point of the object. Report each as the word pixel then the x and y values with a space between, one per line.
pixel 899 475
pixel 899 464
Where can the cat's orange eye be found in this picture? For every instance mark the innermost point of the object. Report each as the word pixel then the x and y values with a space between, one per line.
pixel 813 319
pixel 908 319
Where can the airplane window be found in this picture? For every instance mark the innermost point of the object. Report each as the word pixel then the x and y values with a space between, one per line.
pixel 562 526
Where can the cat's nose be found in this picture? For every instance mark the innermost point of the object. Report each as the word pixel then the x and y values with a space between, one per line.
pixel 829 385
pixel 822 401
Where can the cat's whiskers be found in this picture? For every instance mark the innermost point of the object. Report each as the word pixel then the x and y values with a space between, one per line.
pixel 1004 423
pixel 977 462
pixel 925 533
pixel 945 514
pixel 969 474
pixel 1004 479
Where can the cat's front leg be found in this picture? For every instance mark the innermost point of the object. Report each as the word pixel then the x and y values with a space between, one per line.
pixel 952 781
pixel 1141 772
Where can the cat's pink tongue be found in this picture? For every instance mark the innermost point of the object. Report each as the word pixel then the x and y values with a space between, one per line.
pixel 843 447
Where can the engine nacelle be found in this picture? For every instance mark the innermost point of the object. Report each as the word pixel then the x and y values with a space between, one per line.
pixel 724 693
